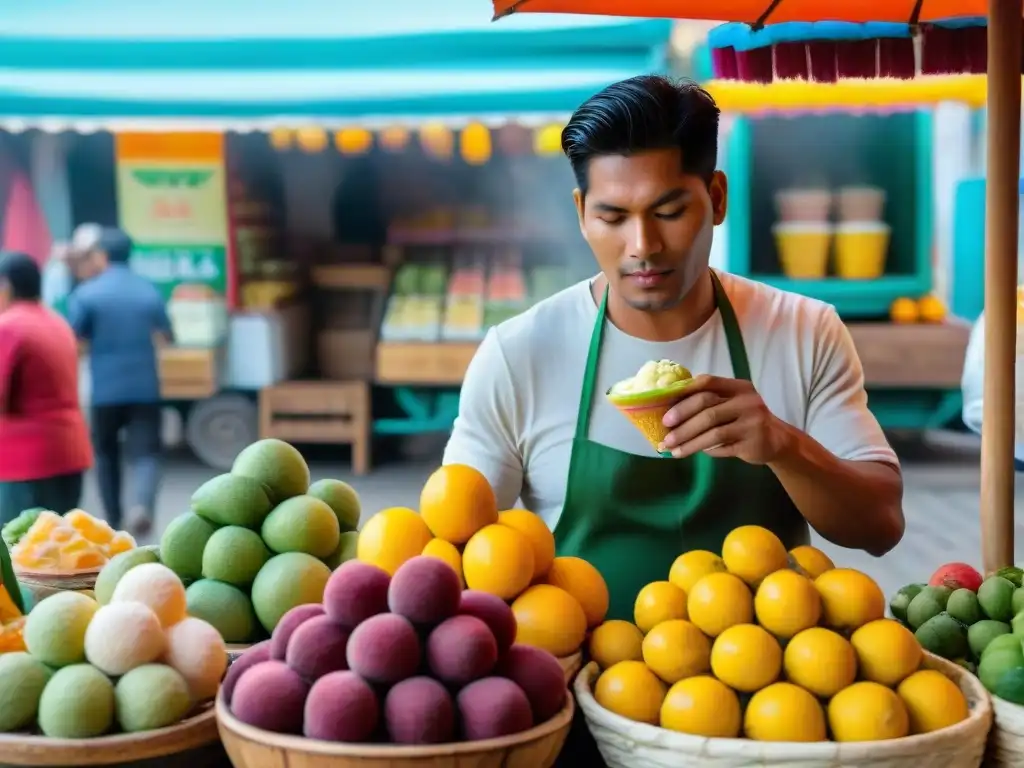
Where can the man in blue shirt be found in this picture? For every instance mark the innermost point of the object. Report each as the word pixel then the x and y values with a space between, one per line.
pixel 122 318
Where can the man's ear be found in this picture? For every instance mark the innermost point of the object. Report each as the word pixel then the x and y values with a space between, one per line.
pixel 581 201
pixel 718 189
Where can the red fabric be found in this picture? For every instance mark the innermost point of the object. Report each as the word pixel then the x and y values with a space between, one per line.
pixel 25 228
pixel 42 430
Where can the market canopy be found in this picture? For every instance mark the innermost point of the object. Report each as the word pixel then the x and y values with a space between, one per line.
pixel 230 64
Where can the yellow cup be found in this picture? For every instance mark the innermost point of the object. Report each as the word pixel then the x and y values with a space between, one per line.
pixel 861 248
pixel 803 248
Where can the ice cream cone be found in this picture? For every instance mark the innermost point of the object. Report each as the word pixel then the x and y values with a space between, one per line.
pixel 645 410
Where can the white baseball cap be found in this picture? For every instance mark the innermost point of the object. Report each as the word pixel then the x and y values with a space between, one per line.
pixel 86 237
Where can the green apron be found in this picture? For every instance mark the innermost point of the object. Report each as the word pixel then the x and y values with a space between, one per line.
pixel 631 516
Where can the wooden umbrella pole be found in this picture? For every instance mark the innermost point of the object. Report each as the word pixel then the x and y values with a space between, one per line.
pixel 1001 206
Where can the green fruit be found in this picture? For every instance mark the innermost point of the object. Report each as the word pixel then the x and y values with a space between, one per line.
pixel 1012 574
pixel 982 633
pixel 117 567
pixel 1007 642
pixel 182 545
pixel 996 597
pixel 1010 687
pixel 286 581
pixel 342 498
pixel 940 594
pixel 1017 602
pixel 944 636
pixel 901 601
pixel 235 555
pixel 149 697
pixel 345 551
pixel 223 606
pixel 277 465
pixel 55 630
pixel 232 500
pixel 22 679
pixel 302 524
pixel 77 703
pixel 922 608
pixel 995 664
pixel 963 606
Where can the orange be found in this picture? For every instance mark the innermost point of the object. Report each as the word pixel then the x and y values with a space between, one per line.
pixel 615 641
pixel 456 502
pixel 787 603
pixel 933 701
pixel 702 706
pixel 719 601
pixel 821 661
pixel 584 582
pixel 746 658
pixel 904 311
pixel 691 567
pixel 811 560
pixel 550 618
pixel 657 602
pixel 752 552
pixel 391 537
pixel 537 531
pixel 849 598
pixel 887 652
pixel 931 309
pixel 448 552
pixel 867 712
pixel 784 712
pixel 675 650
pixel 631 690
pixel 499 560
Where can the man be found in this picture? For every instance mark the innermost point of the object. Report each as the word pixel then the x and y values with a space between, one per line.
pixel 119 314
pixel 775 429
pixel 44 442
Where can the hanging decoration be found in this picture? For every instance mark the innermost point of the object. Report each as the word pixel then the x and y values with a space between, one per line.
pixel 394 139
pixel 353 141
pixel 475 144
pixel 513 139
pixel 282 139
pixel 311 140
pixel 548 140
pixel 437 141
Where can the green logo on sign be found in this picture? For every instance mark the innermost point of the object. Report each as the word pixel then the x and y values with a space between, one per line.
pixel 168 178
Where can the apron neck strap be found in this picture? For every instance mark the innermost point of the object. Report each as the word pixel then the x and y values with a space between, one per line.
pixel 733 339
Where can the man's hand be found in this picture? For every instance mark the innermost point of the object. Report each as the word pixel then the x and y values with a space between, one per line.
pixel 725 418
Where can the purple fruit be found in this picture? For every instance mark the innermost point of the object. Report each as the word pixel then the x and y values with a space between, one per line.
pixel 492 611
pixel 493 707
pixel 425 590
pixel 355 592
pixel 461 650
pixel 419 711
pixel 288 624
pixel 252 656
pixel 270 695
pixel 384 649
pixel 317 647
pixel 540 676
pixel 341 706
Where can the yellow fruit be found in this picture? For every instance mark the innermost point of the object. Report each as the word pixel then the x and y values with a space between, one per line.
pixel 584 582
pixel 849 598
pixel 96 531
pixel 784 712
pixel 811 560
pixel 448 552
pixel 931 309
pixel 456 502
pixel 887 652
pixel 391 537
pixel 691 567
pixel 550 618
pixel 867 712
pixel 719 601
pixel 787 603
pixel 933 701
pixel 702 706
pixel 752 552
pixel 499 560
pixel 657 602
pixel 904 311
pixel 821 661
pixel 616 641
pixel 676 649
pixel 538 534
pixel 631 690
pixel 746 657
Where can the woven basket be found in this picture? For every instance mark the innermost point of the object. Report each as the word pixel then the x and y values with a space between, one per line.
pixel 1006 741
pixel 571 666
pixel 42 585
pixel 627 744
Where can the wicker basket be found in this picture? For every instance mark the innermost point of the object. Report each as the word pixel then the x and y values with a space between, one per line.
pixel 627 744
pixel 571 665
pixel 191 733
pixel 250 747
pixel 42 585
pixel 1006 741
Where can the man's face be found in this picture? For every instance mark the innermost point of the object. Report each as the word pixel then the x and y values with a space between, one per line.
pixel 89 264
pixel 650 225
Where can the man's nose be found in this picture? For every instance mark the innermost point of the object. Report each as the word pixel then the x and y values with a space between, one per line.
pixel 646 238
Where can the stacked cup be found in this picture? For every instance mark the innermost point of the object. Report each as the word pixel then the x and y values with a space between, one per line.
pixel 862 237
pixel 803 234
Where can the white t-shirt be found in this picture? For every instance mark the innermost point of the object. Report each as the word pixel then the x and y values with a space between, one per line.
pixel 517 411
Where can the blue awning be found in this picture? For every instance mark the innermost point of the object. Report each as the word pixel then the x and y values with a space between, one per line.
pixel 87 64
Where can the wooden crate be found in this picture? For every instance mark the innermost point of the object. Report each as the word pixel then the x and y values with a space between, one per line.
pixel 331 412
pixel 410 363
pixel 188 374
pixel 918 355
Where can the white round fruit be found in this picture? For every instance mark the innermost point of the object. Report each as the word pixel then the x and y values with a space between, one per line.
pixel 157 586
pixel 197 651
pixel 123 636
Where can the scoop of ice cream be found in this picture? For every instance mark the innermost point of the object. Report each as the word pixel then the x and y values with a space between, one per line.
pixel 654 374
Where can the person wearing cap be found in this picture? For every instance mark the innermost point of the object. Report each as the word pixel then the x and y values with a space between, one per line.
pixel 120 315
pixel 44 441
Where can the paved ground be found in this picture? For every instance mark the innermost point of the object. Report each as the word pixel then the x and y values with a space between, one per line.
pixel 941 502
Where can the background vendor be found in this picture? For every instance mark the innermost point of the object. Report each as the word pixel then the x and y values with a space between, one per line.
pixel 775 430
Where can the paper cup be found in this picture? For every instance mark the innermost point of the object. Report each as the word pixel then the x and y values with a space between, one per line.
pixel 861 249
pixel 803 205
pixel 861 204
pixel 803 249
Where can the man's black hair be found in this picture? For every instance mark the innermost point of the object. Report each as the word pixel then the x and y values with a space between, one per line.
pixel 644 113
pixel 116 244
pixel 22 274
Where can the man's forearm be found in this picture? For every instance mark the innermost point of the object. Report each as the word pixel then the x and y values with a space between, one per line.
pixel 855 504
